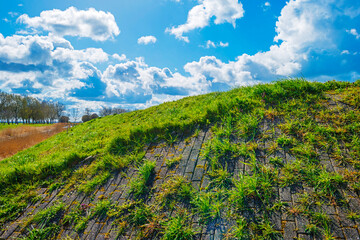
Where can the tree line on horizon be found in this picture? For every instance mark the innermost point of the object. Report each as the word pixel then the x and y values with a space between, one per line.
pixel 17 108
pixel 105 111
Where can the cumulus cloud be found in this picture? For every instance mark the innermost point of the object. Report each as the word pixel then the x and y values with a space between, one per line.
pixel 92 88
pixel 267 4
pixel 145 40
pixel 118 57
pixel 136 82
pixel 49 67
pixel 97 25
pixel 219 75
pixel 211 44
pixel 304 43
pixel 16 79
pixel 93 55
pixel 221 44
pixel 200 15
pixel 29 49
pixel 353 32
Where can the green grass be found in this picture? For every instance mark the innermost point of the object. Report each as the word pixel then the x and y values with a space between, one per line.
pixel 178 228
pixel 140 185
pixel 90 185
pixel 46 221
pixel 353 216
pixel 240 230
pixel 176 190
pixel 209 206
pixel 128 132
pixel 172 162
pixel 4 126
pixel 42 233
pixel 101 208
pixel 44 217
pixel 220 178
pixel 117 135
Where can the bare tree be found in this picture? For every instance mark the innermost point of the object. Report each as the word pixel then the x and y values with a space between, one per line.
pixel 59 109
pixel 88 111
pixel 75 113
pixel 2 105
pixel 105 111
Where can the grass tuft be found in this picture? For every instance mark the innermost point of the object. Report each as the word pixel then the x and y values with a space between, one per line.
pixel 140 185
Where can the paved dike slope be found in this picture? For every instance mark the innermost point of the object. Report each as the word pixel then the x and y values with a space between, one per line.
pixel 275 161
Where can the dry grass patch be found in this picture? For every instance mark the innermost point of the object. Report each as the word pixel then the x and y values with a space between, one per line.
pixel 13 140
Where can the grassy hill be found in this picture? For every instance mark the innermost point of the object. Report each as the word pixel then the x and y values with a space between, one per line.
pixel 272 161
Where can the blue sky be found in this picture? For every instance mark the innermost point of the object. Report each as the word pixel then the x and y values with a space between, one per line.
pixel 139 53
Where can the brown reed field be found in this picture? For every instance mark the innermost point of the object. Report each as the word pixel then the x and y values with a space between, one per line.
pixel 13 140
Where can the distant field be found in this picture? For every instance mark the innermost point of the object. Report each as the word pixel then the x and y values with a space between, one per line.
pixel 14 138
pixel 6 126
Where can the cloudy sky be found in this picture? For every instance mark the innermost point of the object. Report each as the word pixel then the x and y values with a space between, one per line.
pixel 139 53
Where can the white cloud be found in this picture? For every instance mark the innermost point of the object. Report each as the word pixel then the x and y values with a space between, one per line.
pixel 48 66
pixel 93 55
pixel 266 6
pixel 145 40
pixel 29 49
pixel 97 25
pixel 200 15
pixel 302 27
pixel 218 74
pixel 353 32
pixel 211 44
pixel 221 44
pixel 305 33
pixel 8 81
pixel 305 23
pixel 135 82
pixel 13 14
pixel 118 57
pixel 29 31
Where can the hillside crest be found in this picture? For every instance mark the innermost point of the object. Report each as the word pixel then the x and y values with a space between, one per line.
pixel 271 161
